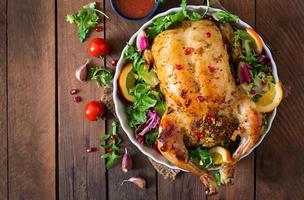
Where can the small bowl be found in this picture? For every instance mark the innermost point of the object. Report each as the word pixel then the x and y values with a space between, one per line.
pixel 148 16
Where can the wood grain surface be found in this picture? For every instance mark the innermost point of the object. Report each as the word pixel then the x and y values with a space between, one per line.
pixel 118 33
pixel 81 175
pixel 279 170
pixel 44 135
pixel 31 99
pixel 3 103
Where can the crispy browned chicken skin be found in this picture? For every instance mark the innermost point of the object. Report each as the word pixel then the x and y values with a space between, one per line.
pixel 202 98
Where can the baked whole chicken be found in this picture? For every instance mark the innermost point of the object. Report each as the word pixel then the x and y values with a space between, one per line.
pixel 204 105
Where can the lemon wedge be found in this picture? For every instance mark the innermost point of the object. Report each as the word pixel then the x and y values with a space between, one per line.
pixel 271 99
pixel 258 41
pixel 220 155
pixel 126 81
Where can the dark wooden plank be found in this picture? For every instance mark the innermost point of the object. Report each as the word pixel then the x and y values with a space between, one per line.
pixel 81 175
pixel 3 103
pixel 243 187
pixel 31 102
pixel 280 161
pixel 118 33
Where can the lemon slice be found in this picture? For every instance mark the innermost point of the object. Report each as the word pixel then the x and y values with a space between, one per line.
pixel 258 41
pixel 126 81
pixel 271 99
pixel 220 155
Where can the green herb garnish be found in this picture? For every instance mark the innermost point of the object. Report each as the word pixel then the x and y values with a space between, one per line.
pixel 101 75
pixel 85 19
pixel 143 72
pixel 217 177
pixel 112 140
pixel 201 157
pixel 150 138
pixel 163 23
pixel 223 16
pixel 144 100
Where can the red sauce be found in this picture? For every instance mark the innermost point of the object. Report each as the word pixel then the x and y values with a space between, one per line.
pixel 134 8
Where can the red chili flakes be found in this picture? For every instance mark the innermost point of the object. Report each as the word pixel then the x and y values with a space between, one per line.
pixel 211 69
pixel 252 91
pixel 188 102
pixel 210 118
pixel 183 93
pixel 200 98
pixel 208 34
pixel 179 66
pixel 199 135
pixel 188 51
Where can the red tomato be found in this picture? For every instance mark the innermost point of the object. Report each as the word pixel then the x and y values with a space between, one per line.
pixel 98 47
pixel 93 110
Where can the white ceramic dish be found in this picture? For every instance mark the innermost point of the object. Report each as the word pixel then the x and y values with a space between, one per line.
pixel 120 107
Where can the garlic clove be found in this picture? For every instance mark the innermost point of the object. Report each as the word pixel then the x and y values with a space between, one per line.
pixel 127 162
pixel 82 72
pixel 138 181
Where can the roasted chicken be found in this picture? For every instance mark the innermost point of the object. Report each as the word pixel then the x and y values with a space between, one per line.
pixel 204 105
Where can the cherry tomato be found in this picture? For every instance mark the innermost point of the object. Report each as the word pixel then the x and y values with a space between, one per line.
pixel 93 110
pixel 98 47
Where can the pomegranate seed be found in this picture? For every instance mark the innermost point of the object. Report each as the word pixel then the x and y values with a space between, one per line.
pixel 264 60
pixel 211 69
pixel 183 93
pixel 113 138
pixel 77 99
pixel 98 29
pixel 199 135
pixel 188 51
pixel 237 81
pixel 200 98
pixel 252 91
pixel 114 63
pixel 73 91
pixel 250 67
pixel 208 35
pixel 187 103
pixel 179 66
pixel 109 150
pixel 91 149
pixel 210 118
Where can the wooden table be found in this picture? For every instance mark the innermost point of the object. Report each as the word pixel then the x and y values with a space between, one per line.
pixel 43 133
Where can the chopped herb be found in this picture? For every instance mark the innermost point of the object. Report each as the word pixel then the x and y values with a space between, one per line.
pixel 217 177
pixel 112 140
pixel 163 23
pixel 85 19
pixel 150 138
pixel 101 75
pixel 223 16
pixel 201 157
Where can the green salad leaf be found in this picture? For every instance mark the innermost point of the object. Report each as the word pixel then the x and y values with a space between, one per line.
pixel 85 19
pixel 102 75
pixel 201 157
pixel 150 138
pixel 139 67
pixel 224 16
pixel 111 140
pixel 163 23
pixel 217 177
pixel 144 100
